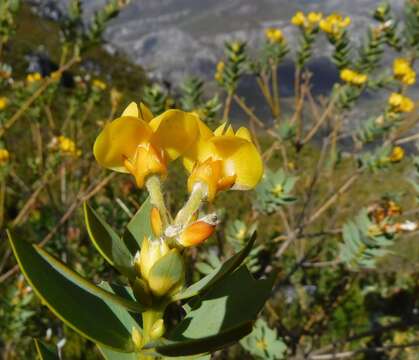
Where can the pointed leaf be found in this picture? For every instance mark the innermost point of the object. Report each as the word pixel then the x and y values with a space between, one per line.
pixel 83 310
pixel 108 243
pixel 224 315
pixel 86 285
pixel 140 224
pixel 219 273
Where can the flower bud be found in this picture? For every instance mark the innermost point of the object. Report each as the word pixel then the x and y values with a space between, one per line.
pixel 167 275
pixel 196 233
pixel 156 222
pixel 151 252
pixel 157 330
pixel 136 337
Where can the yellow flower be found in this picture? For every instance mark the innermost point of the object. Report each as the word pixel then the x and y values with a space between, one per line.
pixel 4 156
pixel 64 145
pixel 397 154
pixel 33 77
pixel 400 104
pixel 299 19
pixel 334 24
pixel 99 85
pixel 352 77
pixel 403 71
pixel 274 35
pixel 139 144
pixel 224 160
pixel 314 17
pixel 3 102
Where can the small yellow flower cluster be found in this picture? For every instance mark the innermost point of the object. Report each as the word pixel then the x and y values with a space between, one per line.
pixel 65 145
pixel 353 77
pixel 4 156
pixel 3 102
pixel 309 22
pixel 397 154
pixel 99 85
pixel 335 24
pixel 274 35
pixel 33 77
pixel 403 71
pixel 219 71
pixel 400 103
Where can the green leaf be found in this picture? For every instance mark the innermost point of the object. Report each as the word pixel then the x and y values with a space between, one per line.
pixel 81 307
pixel 108 243
pixel 218 274
pixel 110 354
pixel 224 315
pixel 140 225
pixel 44 352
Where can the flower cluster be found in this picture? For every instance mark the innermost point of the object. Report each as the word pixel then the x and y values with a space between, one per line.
pixel 33 77
pixel 143 145
pixel 403 71
pixel 307 22
pixel 274 35
pixel 334 25
pixel 353 77
pixel 400 104
pixel 65 146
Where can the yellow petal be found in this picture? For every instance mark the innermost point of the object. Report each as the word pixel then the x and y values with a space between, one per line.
pixel 145 113
pixel 119 140
pixel 240 158
pixel 131 110
pixel 244 133
pixel 175 131
pixel 220 130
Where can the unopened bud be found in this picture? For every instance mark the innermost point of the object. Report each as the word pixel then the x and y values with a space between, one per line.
pixel 136 337
pixel 156 222
pixel 157 330
pixel 151 252
pixel 196 233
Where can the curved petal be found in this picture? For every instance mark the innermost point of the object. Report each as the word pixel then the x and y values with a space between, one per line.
pixel 120 139
pixel 145 113
pixel 131 110
pixel 244 133
pixel 175 131
pixel 241 158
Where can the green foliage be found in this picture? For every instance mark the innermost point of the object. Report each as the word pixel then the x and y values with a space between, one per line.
pixel 364 242
pixel 235 65
pixel 342 53
pixel 8 11
pixel 371 51
pixel 44 352
pixel 305 50
pixel 383 14
pixel 275 190
pixel 156 98
pixel 264 343
pixel 411 33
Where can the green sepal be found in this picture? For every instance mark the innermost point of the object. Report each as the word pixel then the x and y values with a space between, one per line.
pixel 44 352
pixel 224 315
pixel 71 302
pixel 167 273
pixel 108 243
pixel 140 224
pixel 219 273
